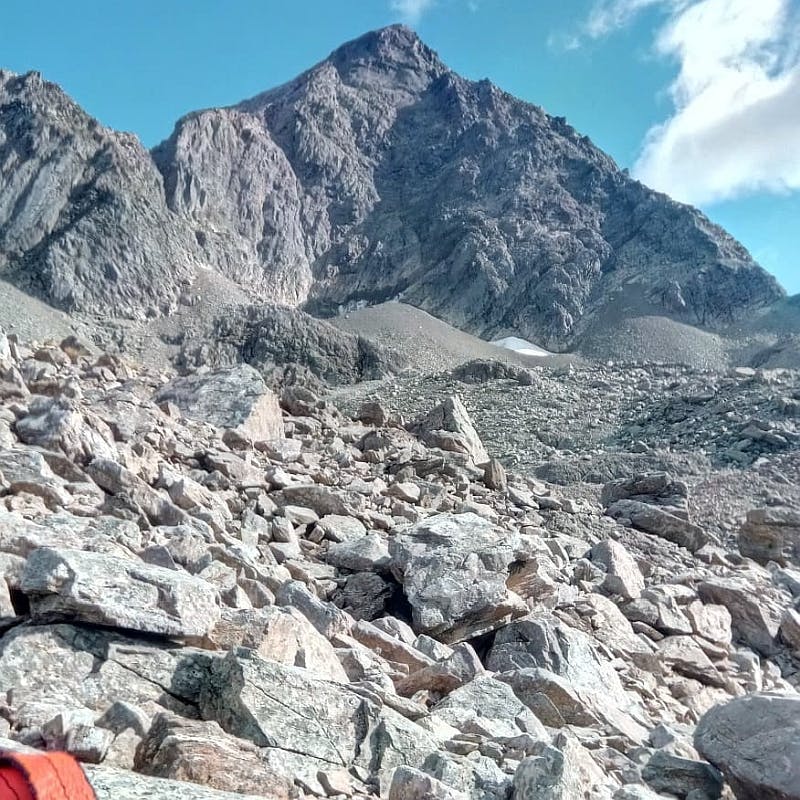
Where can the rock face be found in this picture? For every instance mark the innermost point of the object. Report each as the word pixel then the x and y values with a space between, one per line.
pixel 755 741
pixel 83 213
pixel 378 173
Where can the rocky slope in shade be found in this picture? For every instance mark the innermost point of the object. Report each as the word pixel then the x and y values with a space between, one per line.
pixel 83 218
pixel 289 603
pixel 397 177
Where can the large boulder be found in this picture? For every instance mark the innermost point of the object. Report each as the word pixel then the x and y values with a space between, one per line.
pixel 290 708
pixel 104 590
pixel 233 398
pixel 652 488
pixel 563 772
pixel 658 522
pixel 47 669
pixel 202 753
pixel 449 427
pixel 454 569
pixel 771 534
pixel 755 741
pixel 557 672
pixel 58 424
pixel 755 613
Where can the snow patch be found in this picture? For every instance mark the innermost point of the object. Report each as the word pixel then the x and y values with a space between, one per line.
pixel 521 346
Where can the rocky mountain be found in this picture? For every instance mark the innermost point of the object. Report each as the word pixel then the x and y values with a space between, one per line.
pixel 377 174
pixel 83 217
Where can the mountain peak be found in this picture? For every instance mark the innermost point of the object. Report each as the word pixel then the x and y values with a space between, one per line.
pixel 396 47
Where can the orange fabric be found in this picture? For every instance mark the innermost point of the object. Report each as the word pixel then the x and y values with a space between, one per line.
pixel 45 776
pixel 14 785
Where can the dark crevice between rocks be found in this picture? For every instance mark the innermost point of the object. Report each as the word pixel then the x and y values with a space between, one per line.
pixel 398 606
pixel 483 644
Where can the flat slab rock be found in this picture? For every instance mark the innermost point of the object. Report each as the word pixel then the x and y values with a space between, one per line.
pixel 104 590
pixel 235 398
pixel 274 705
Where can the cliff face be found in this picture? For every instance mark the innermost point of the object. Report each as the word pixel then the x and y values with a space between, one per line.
pixel 377 174
pixel 83 218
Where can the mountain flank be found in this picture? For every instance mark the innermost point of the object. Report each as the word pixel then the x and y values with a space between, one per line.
pixel 379 174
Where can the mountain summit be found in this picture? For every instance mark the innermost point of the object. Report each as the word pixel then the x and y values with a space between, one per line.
pixel 377 174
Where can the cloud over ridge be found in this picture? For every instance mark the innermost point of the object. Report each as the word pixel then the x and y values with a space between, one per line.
pixel 735 122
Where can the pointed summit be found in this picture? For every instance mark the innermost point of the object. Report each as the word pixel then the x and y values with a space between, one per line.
pixel 394 49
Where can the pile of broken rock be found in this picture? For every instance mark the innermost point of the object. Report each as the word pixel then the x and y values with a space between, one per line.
pixel 211 592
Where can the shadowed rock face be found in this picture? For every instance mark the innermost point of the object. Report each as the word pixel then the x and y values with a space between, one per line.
pixel 83 218
pixel 377 174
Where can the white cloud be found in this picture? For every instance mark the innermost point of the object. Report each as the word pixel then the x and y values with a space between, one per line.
pixel 735 123
pixel 411 10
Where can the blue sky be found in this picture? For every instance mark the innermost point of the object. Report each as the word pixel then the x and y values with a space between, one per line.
pixel 699 98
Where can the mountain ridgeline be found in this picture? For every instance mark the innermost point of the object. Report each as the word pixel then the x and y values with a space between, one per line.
pixel 378 174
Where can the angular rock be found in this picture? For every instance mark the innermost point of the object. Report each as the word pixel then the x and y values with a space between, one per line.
pixel 665 772
pixel 55 424
pixel 47 669
pixel 290 708
pixel 321 499
pixel 563 772
pixel 771 534
pixel 752 618
pixel 103 590
pixel 623 576
pixel 454 570
pixel 544 642
pixel 654 520
pixel 234 398
pixel 368 552
pixel 755 741
pixel 276 634
pixel 202 753
pixel 449 427
pixel 489 707
pixel 118 480
pixel 411 784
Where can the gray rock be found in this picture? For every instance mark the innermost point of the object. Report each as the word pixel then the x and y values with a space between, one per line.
pixel 454 570
pixel 290 708
pixel 755 741
pixel 73 584
pixel 560 772
pixel 654 520
pixel 623 576
pixel 754 619
pixel 368 552
pixel 487 706
pixel 118 480
pixel 48 669
pixel 411 784
pixel 585 686
pixel 202 753
pixel 449 427
pixel 771 534
pixel 236 398
pixel 117 784
pixel 681 776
